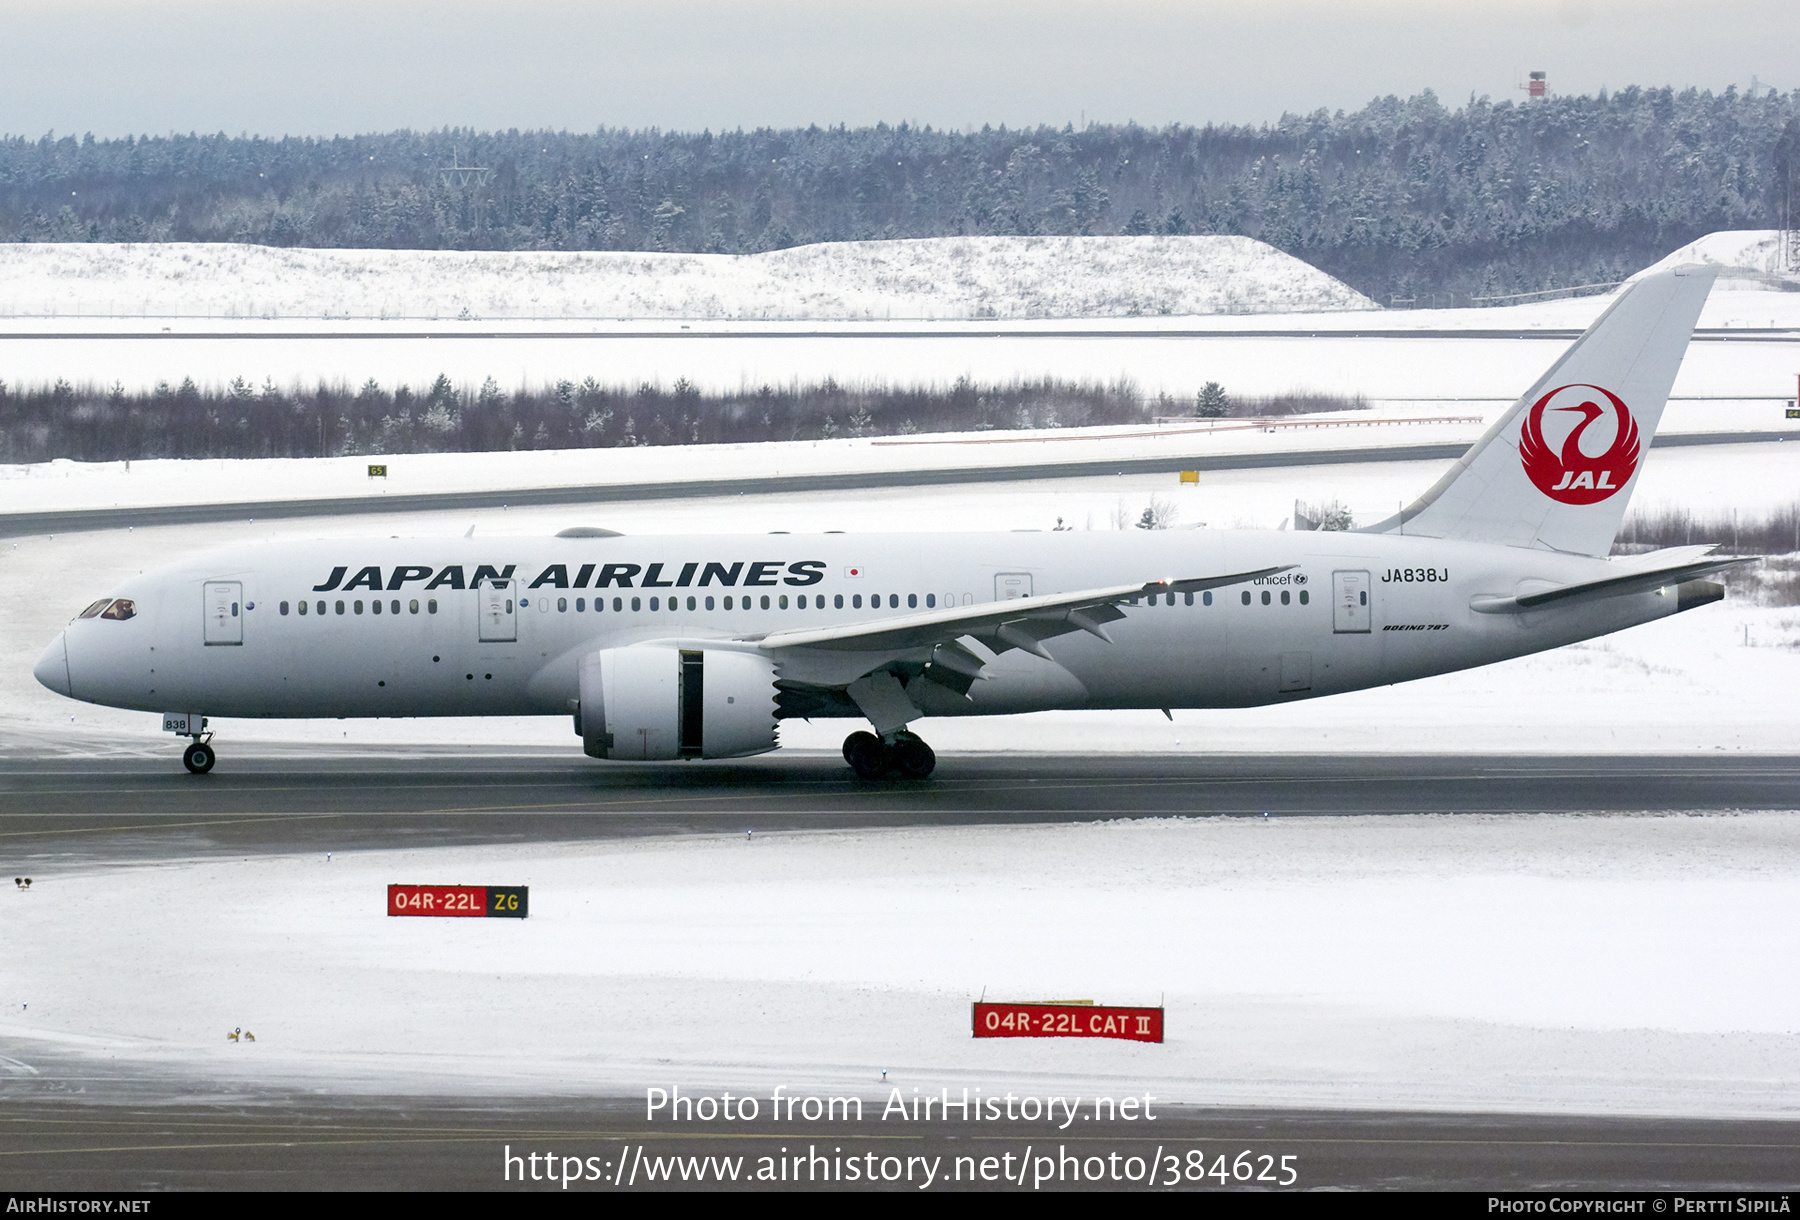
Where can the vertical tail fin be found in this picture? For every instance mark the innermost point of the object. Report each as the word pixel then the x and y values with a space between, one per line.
pixel 1557 470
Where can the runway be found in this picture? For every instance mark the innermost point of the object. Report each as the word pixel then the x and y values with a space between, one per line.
pixel 75 1121
pixel 112 811
pixel 390 1143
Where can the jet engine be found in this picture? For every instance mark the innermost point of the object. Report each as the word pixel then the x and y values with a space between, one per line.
pixel 657 701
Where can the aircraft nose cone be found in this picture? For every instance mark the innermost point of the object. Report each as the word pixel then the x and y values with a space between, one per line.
pixel 52 668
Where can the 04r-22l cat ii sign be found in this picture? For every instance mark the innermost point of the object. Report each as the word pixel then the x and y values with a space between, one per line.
pixel 698 646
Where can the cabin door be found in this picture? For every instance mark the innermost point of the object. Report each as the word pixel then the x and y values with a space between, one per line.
pixel 1011 585
pixel 224 612
pixel 1350 601
pixel 499 612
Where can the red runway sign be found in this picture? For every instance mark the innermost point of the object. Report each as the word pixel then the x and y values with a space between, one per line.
pixel 458 901
pixel 1068 1021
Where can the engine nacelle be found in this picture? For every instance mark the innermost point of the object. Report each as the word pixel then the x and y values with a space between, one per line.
pixel 658 701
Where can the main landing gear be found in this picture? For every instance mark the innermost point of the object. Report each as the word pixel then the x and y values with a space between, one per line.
pixel 906 756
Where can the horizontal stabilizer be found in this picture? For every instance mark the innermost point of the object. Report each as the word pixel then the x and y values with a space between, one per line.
pixel 1641 581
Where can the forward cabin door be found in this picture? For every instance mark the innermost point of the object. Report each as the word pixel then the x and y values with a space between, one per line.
pixel 1011 585
pixel 224 612
pixel 499 612
pixel 1350 610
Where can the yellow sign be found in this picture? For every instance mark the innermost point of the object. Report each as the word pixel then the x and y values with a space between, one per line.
pixel 378 472
pixel 1190 476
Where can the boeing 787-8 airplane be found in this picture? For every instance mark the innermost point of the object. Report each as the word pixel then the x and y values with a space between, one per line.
pixel 698 646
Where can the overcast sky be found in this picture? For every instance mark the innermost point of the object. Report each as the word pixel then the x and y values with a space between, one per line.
pixel 324 67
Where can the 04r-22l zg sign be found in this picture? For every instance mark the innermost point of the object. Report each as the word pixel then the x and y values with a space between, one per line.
pixel 459 901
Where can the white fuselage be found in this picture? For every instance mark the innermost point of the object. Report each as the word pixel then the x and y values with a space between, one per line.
pixel 423 652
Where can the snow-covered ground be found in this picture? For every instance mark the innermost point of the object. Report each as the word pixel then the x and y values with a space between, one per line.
pixel 1600 964
pixel 64 484
pixel 935 278
pixel 1006 308
pixel 1618 963
pixel 1167 355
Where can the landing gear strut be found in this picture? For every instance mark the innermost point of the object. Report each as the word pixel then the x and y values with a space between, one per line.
pixel 906 756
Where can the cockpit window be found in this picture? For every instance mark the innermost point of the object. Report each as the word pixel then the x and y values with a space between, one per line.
pixel 123 608
pixel 96 608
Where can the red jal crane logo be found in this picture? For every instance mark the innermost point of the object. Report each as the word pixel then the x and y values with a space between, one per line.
pixel 1571 476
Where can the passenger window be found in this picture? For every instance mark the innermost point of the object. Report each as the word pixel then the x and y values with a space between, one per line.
pixel 1246 597
pixel 856 601
pixel 837 600
pixel 765 601
pixel 509 605
pixel 1303 597
pixel 893 601
pixel 1284 597
pixel 912 601
pixel 1206 598
pixel 284 607
pixel 709 603
pixel 692 605
pixel 125 608
pixel 321 607
pixel 931 601
pixel 234 612
pixel 1265 597
pixel 800 602
pixel 636 605
pixel 1362 598
pixel 1187 599
pixel 394 606
pixel 303 607
pixel 782 601
pixel 581 604
pixel 656 603
pixel 357 606
pixel 618 605
pixel 375 608
pixel 96 608
pixel 562 605
pixel 431 606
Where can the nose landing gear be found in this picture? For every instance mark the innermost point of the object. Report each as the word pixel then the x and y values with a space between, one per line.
pixel 905 756
pixel 199 757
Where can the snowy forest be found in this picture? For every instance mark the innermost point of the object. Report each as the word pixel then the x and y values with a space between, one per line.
pixel 1402 199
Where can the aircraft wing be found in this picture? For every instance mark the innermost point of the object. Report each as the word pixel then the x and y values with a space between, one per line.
pixel 1642 580
pixel 1023 622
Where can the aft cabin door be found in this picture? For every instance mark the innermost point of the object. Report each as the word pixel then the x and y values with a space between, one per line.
pixel 1350 592
pixel 499 612
pixel 224 612
pixel 1010 585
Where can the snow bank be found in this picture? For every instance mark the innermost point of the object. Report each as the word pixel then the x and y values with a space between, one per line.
pixel 1521 962
pixel 936 278
pixel 1751 258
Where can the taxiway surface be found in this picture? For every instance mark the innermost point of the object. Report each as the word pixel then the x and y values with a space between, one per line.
pixel 112 810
